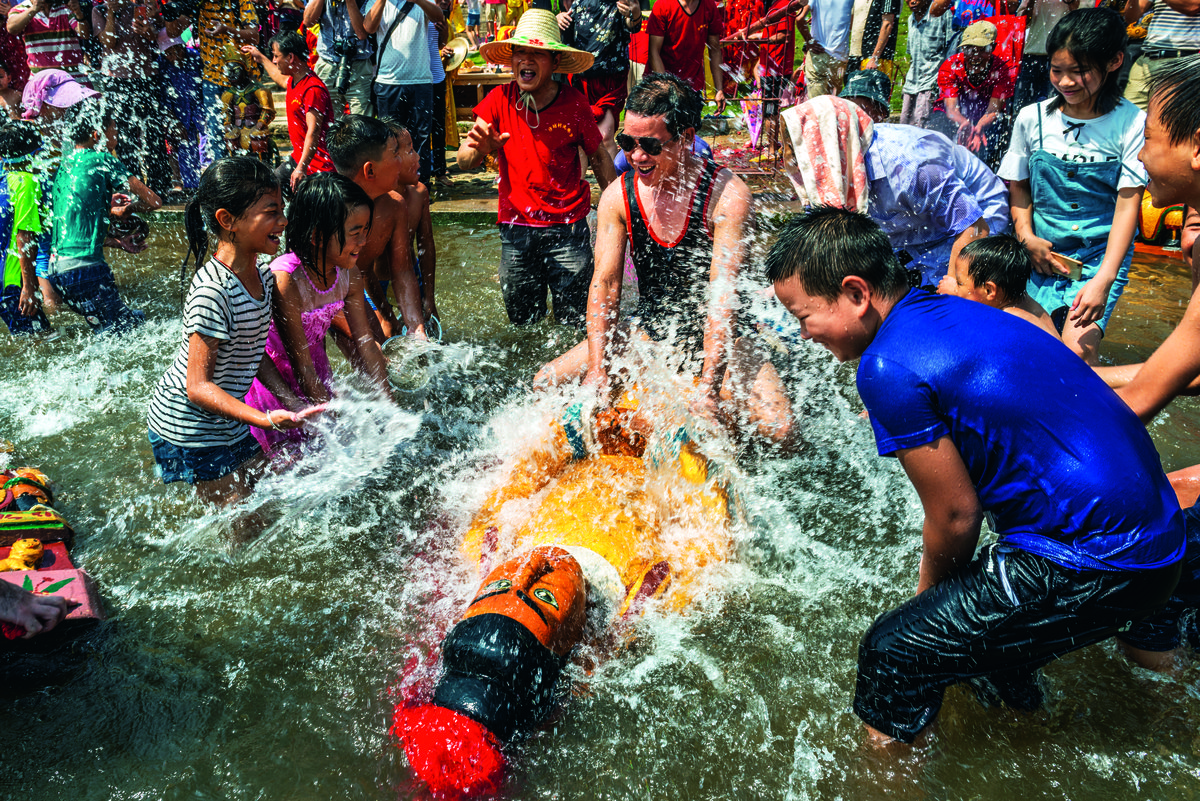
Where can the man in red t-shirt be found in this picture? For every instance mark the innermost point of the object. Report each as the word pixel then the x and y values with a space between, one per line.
pixel 309 109
pixel 536 128
pixel 679 31
pixel 974 86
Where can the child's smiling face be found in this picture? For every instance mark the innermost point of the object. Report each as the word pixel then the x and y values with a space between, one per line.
pixel 410 162
pixel 358 225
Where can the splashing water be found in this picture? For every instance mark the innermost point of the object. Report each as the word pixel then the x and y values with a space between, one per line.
pixel 268 670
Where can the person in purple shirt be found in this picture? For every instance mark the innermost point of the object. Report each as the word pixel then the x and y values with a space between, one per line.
pixel 987 416
pixel 930 196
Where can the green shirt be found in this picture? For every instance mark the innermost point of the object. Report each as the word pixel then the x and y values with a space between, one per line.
pixel 25 195
pixel 82 197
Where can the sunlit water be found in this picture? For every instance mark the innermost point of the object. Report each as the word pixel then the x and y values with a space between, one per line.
pixel 268 670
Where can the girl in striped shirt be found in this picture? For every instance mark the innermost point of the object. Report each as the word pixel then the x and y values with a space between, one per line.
pixel 198 420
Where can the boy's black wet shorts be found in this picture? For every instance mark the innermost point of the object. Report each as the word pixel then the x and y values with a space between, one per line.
pixel 1007 614
pixel 1163 630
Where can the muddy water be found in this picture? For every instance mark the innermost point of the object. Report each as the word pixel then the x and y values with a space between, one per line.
pixel 267 671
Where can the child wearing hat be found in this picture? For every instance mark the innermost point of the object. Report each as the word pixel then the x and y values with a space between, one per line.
pixel 974 86
pixel 536 127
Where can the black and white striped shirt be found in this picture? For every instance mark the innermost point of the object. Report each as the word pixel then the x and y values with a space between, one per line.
pixel 217 306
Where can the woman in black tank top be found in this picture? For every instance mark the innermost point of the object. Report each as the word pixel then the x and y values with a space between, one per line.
pixel 673 278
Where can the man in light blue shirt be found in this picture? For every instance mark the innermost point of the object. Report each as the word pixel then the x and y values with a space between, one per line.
pixel 931 196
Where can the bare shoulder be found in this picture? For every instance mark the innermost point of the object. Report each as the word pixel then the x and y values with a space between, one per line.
pixel 732 198
pixel 416 197
pixel 612 201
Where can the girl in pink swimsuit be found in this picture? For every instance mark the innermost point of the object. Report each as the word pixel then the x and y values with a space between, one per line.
pixel 317 279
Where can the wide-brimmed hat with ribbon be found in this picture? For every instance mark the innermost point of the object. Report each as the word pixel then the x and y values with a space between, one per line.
pixel 538 29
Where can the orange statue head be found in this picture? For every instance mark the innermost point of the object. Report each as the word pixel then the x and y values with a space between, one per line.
pixel 543 589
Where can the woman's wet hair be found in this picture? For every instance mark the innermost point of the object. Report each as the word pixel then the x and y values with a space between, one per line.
pixel 291 43
pixel 662 94
pixel 235 184
pixel 1176 88
pixel 355 140
pixel 318 213
pixel 1001 259
pixel 824 245
pixel 1093 37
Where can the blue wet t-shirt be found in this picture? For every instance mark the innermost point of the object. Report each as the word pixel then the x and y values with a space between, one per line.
pixel 1067 471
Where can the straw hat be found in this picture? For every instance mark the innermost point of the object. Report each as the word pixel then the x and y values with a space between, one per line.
pixel 538 29
pixel 458 47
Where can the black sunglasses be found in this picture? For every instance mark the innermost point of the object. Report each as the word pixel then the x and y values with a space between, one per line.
pixel 649 145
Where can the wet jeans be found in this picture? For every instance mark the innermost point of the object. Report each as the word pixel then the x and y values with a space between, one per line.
pixel 532 260
pixel 92 293
pixel 1004 616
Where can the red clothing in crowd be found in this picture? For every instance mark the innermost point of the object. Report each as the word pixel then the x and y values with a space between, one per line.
pixel 639 44
pixel 309 94
pixel 972 98
pixel 541 179
pixel 777 59
pixel 685 37
pixel 739 58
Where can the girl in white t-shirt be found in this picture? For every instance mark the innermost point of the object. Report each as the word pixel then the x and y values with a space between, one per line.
pixel 1075 180
pixel 199 424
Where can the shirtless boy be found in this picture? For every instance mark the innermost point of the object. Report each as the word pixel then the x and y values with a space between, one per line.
pixel 381 159
pixel 995 271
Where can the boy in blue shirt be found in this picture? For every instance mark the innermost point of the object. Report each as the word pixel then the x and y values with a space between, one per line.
pixel 986 415
pixel 90 186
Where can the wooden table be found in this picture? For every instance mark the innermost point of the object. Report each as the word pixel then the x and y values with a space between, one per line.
pixel 482 81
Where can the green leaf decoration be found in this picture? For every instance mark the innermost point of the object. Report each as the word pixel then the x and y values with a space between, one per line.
pixel 58 585
pixel 28 584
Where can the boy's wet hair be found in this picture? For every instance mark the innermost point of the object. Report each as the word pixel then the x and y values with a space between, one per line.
pixel 1001 259
pixel 19 139
pixel 1176 87
pixel 824 245
pixel 663 94
pixel 318 213
pixel 357 139
pixel 1093 37
pixel 291 43
pixel 234 183
pixel 84 120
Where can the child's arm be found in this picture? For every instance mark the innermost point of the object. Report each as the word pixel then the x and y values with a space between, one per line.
pixel 427 258
pixel 27 304
pixel 368 357
pixel 404 277
pixel 147 200
pixel 1020 207
pixel 267 65
pixel 1090 302
pixel 204 392
pixel 286 307
pixel 313 119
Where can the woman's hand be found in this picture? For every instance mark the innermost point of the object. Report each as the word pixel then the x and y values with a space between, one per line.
pixel 1090 303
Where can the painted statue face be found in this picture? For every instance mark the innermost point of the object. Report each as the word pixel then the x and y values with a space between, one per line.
pixel 542 589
